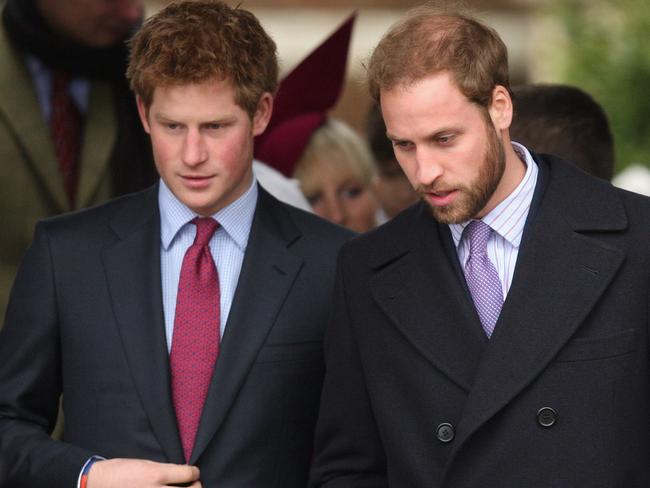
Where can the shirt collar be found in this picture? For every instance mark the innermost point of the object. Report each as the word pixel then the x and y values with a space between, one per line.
pixel 236 219
pixel 513 209
pixel 42 78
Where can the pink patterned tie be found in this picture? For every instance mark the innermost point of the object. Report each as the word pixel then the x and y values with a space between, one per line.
pixel 66 126
pixel 482 277
pixel 195 343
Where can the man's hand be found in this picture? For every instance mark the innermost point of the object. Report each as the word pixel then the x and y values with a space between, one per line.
pixel 139 473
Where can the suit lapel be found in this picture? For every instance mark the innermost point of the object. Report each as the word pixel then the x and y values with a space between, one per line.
pixel 100 133
pixel 268 272
pixel 418 288
pixel 132 267
pixel 559 278
pixel 21 112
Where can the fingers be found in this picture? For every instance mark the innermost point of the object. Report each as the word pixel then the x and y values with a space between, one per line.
pixel 179 474
pixel 139 473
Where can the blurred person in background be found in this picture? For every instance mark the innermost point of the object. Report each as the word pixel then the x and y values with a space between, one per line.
pixel 565 121
pixel 390 185
pixel 280 186
pixel 329 159
pixel 336 172
pixel 69 132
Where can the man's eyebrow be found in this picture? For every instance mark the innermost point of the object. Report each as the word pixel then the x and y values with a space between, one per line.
pixel 394 138
pixel 437 133
pixel 224 119
pixel 164 118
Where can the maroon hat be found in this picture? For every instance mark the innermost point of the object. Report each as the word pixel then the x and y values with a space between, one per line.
pixel 303 99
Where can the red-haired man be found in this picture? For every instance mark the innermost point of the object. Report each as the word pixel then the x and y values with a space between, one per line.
pixel 182 324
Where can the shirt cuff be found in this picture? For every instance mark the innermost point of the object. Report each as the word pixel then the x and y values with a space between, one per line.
pixel 83 475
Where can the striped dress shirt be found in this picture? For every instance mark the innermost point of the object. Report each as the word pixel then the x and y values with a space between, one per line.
pixel 507 220
pixel 227 246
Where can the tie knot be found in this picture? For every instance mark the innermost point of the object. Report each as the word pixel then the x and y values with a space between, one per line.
pixel 205 228
pixel 478 233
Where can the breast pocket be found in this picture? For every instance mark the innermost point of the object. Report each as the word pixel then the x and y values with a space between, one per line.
pixel 602 347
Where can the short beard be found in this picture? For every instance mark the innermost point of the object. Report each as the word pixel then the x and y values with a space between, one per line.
pixel 474 197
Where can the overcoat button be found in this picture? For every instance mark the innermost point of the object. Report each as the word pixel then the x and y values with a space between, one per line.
pixel 445 432
pixel 546 417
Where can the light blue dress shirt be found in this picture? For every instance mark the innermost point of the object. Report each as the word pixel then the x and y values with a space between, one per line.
pixel 228 246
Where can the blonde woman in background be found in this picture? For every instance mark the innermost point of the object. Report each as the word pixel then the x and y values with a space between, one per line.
pixel 335 174
pixel 330 160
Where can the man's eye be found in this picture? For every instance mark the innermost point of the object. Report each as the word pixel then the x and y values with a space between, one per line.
pixel 171 126
pixel 445 140
pixel 402 145
pixel 213 126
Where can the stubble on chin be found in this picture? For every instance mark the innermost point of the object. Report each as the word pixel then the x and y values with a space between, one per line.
pixel 454 213
pixel 472 198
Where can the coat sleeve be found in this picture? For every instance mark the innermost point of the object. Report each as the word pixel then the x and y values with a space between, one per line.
pixel 30 380
pixel 348 449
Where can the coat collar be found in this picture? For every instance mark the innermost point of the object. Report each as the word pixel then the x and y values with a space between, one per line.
pixel 20 108
pixel 267 275
pixel 561 273
pixel 589 203
pixel 132 266
pixel 21 112
pixel 415 282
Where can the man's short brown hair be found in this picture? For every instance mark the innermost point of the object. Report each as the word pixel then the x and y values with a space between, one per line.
pixel 565 121
pixel 430 40
pixel 202 40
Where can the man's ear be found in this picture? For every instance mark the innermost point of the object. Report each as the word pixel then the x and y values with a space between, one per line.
pixel 263 113
pixel 501 108
pixel 142 111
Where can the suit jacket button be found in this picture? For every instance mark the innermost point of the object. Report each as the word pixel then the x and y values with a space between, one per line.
pixel 546 417
pixel 445 432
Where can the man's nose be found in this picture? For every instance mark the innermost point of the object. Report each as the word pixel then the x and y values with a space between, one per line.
pixel 428 167
pixel 194 148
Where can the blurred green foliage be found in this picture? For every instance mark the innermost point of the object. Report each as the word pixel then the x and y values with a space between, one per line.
pixel 608 55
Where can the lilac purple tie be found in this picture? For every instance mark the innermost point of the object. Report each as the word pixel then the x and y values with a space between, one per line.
pixel 482 277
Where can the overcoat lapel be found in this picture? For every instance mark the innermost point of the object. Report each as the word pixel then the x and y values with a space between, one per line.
pixel 100 133
pixel 418 288
pixel 21 112
pixel 559 278
pixel 132 266
pixel 268 273
pixel 20 108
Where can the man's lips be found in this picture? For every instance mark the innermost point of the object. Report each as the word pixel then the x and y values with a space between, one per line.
pixel 196 181
pixel 441 198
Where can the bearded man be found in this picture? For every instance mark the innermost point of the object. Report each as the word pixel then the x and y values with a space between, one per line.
pixel 496 333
